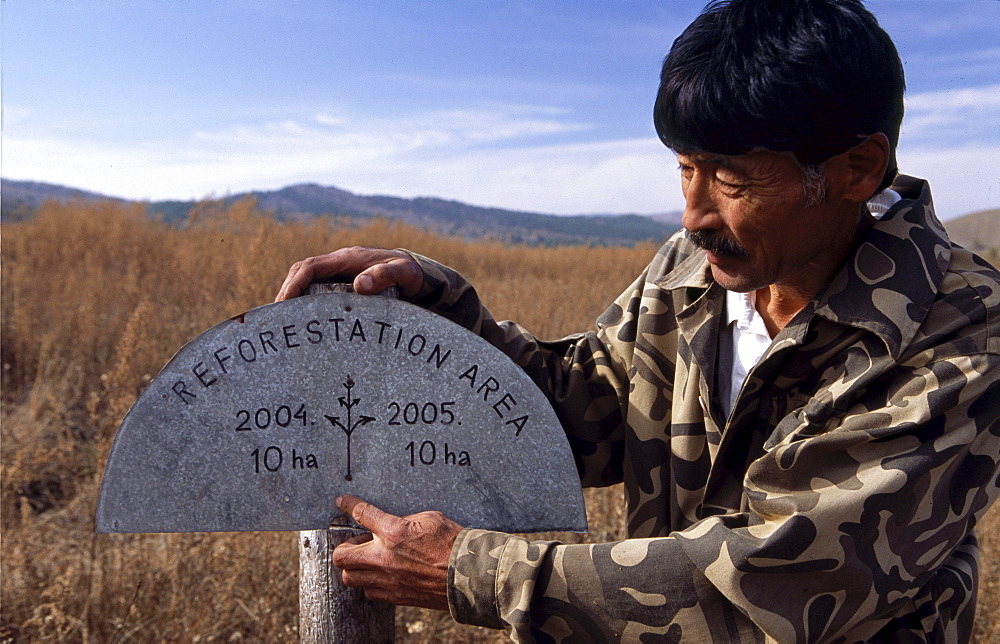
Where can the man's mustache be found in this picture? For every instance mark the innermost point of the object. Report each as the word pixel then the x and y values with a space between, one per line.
pixel 717 244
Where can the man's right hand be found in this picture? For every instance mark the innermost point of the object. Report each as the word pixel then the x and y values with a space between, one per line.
pixel 372 269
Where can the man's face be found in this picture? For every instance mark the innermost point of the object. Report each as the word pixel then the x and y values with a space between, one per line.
pixel 751 213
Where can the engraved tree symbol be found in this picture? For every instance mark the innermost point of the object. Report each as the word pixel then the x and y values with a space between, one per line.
pixel 348 403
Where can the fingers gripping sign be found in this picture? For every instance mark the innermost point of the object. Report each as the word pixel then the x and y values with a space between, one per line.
pixel 372 269
pixel 403 561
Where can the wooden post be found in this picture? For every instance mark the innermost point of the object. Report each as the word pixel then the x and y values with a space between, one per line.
pixel 329 611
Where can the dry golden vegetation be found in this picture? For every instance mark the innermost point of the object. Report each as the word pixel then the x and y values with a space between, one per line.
pixel 96 298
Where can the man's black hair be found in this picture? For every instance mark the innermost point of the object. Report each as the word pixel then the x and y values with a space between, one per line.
pixel 807 76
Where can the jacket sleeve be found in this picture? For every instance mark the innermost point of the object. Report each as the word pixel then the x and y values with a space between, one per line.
pixel 849 521
pixel 583 375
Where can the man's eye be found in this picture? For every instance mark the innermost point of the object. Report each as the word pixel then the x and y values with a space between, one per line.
pixel 727 184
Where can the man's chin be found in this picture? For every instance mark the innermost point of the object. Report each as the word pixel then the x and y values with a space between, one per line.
pixel 733 281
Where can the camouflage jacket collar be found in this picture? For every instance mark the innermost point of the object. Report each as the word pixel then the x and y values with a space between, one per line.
pixel 694 272
pixel 888 284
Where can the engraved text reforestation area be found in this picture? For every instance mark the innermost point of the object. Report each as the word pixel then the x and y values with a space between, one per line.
pixel 260 422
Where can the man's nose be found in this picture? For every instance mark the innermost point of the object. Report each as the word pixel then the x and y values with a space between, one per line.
pixel 700 211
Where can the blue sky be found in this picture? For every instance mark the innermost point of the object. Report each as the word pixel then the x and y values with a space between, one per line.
pixel 542 106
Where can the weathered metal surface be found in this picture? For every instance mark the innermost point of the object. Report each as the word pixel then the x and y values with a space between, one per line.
pixel 261 421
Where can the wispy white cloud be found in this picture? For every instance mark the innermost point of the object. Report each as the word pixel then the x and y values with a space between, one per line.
pixel 327 119
pixel 953 59
pixel 359 153
pixel 476 126
pixel 954 115
pixel 14 114
pixel 613 176
pixel 518 157
pixel 963 178
pixel 967 98
pixel 419 133
pixel 631 175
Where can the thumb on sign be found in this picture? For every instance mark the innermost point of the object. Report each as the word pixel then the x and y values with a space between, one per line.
pixel 404 560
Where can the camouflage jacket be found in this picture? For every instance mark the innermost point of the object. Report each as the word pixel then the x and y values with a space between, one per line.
pixel 838 502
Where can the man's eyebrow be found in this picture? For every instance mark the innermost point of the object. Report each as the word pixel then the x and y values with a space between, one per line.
pixel 717 159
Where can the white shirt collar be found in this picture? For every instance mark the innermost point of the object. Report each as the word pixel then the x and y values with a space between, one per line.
pixel 880 203
pixel 741 309
pixel 747 339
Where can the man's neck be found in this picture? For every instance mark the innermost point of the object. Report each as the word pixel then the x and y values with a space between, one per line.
pixel 778 306
pixel 779 303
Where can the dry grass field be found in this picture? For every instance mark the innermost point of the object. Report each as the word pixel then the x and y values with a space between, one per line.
pixel 96 298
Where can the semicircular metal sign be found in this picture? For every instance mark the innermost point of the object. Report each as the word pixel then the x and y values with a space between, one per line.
pixel 261 421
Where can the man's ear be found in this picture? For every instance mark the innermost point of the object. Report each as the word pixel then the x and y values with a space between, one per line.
pixel 865 166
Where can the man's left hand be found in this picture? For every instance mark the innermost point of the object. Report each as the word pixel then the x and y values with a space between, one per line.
pixel 404 560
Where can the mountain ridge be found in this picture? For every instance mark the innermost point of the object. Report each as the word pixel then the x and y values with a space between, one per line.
pixel 978 230
pixel 308 200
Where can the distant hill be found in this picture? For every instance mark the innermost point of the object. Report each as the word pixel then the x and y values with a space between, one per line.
pixel 19 199
pixel 978 231
pixel 304 201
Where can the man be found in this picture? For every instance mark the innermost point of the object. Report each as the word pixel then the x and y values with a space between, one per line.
pixel 801 399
